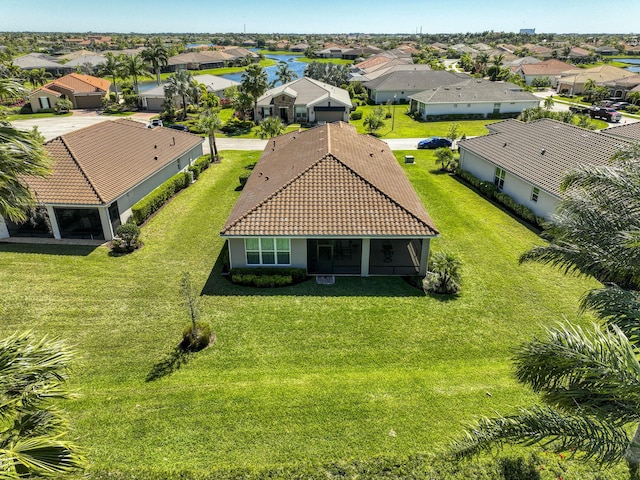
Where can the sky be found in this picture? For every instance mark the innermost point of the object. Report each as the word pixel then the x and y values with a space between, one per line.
pixel 320 16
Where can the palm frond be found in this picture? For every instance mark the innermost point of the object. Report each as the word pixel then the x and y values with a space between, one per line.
pixel 595 438
pixel 46 456
pixel 616 306
pixel 596 373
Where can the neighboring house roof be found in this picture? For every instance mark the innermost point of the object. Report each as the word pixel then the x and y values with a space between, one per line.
pixel 47 90
pixel 213 83
pixel 97 164
pixel 547 67
pixel 577 52
pixel 82 60
pixel 197 57
pixel 543 151
pixel 626 82
pixel 78 83
pixel 36 60
pixel 76 54
pixel 600 74
pixel 630 131
pixel 414 80
pixel 307 91
pixel 462 48
pixel 522 61
pixel 328 180
pixel 475 91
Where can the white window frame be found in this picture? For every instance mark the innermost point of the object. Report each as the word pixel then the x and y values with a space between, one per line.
pixel 535 194
pixel 264 250
pixel 498 178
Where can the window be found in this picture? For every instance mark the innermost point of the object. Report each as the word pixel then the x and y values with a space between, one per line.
pixel 455 105
pixel 468 105
pixel 301 113
pixel 44 102
pixel 268 251
pixel 496 108
pixel 534 194
pixel 499 178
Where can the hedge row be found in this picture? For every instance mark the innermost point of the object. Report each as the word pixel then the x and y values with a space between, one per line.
pixel 200 165
pixel 267 277
pixel 158 197
pixel 489 190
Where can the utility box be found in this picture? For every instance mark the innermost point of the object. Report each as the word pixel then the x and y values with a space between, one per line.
pixel 409 159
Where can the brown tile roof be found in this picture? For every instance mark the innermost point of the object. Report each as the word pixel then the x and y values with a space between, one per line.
pixel 328 180
pixel 543 151
pixel 79 83
pixel 97 164
pixel 548 67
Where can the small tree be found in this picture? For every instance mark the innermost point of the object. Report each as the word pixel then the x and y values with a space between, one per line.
pixel 197 335
pixel 271 127
pixel 209 123
pixel 444 274
pixel 445 158
pixel 375 120
pixel 454 133
pixel 128 238
pixel 63 106
pixel 548 103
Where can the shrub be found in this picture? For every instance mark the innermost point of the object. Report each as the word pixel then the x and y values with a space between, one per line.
pixel 202 338
pixel 236 126
pixel 356 115
pixel 127 240
pixel 243 178
pixel 63 105
pixel 195 171
pixel 443 277
pixel 268 277
pixel 203 162
pixel 158 197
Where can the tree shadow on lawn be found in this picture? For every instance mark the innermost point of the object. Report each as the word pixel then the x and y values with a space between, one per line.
pixel 171 362
pixel 219 285
pixel 48 249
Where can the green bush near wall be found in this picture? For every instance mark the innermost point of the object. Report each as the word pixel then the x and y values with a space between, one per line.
pixel 158 197
pixel 268 277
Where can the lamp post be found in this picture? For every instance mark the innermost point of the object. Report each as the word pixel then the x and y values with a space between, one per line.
pixel 393 115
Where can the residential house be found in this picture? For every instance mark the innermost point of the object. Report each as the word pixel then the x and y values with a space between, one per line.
pixel 579 55
pixel 84 91
pixel 153 98
pixel 99 172
pixel 200 60
pixel 551 69
pixel 629 131
pixel 472 98
pixel 539 51
pixel 32 61
pixel 573 81
pixel 528 161
pixel 360 52
pixel 621 87
pixel 607 50
pixel 399 85
pixel 87 63
pixel 333 202
pixel 305 100
pixel 331 51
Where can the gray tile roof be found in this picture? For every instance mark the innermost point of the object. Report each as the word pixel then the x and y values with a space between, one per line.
pixel 630 131
pixel 414 80
pixel 543 151
pixel 475 90
pixel 307 92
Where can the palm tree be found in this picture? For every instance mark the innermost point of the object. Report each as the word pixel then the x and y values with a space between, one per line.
pixel 181 83
pixel 112 67
pixel 284 74
pixel 254 83
pixel 482 60
pixel 548 103
pixel 32 430
pixel 209 122
pixel 38 76
pixel 156 54
pixel 271 127
pixel 634 97
pixel 590 382
pixel 134 67
pixel 21 155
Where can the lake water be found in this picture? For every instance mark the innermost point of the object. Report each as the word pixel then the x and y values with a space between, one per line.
pixel 633 61
pixel 296 67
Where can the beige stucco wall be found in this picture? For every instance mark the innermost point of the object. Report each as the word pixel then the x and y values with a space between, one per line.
pixel 34 100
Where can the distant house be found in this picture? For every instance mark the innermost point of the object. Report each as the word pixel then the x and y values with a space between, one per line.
pixel 40 60
pixel 573 81
pixel 200 60
pixel 399 85
pixel 153 98
pixel 551 69
pixel 607 50
pixel 471 98
pixel 528 161
pixel 305 101
pixel 360 52
pixel 84 91
pixel 99 172
pixel 88 63
pixel 331 51
pixel 333 202
pixel 630 131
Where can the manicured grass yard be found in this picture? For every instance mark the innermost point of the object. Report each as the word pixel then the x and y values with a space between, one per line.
pixel 305 374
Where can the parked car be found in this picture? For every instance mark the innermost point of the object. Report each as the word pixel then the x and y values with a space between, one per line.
pixel 155 123
pixel 620 105
pixel 434 142
pixel 606 113
pixel 177 126
pixel 580 109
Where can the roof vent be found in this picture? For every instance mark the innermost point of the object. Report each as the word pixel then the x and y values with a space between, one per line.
pixel 371 154
pixel 155 158
pixel 266 178
pixel 543 151
pixel 155 146
pixel 505 144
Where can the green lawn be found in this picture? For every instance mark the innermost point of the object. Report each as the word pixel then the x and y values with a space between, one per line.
pixel 305 374
pixel 31 116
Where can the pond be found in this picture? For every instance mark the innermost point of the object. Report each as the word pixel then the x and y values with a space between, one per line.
pixel 635 62
pixel 294 65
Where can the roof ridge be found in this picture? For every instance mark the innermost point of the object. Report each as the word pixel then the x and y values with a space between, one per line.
pixel 82 171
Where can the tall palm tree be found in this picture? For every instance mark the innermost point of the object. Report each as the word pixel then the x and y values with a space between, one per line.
pixel 209 122
pixel 254 83
pixel 21 155
pixel 482 60
pixel 32 430
pixel 284 74
pixel 112 67
pixel 134 67
pixel 590 382
pixel 181 83
pixel 158 56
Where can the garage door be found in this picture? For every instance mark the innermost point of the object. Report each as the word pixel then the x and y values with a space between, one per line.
pixel 330 115
pixel 92 101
